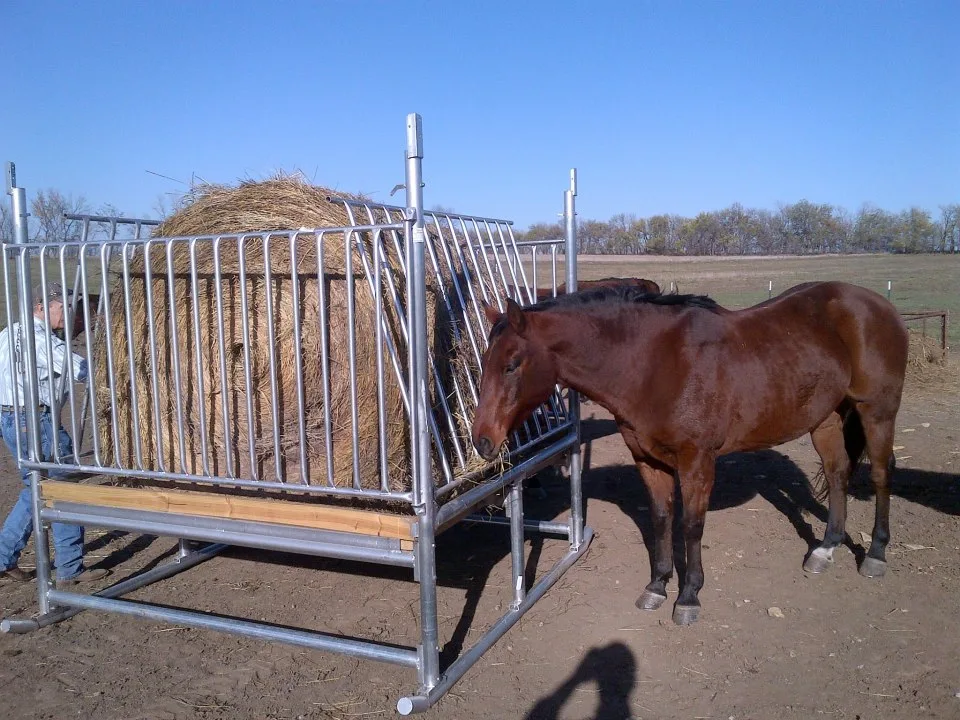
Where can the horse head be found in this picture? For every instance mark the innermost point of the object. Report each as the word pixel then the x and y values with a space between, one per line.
pixel 517 375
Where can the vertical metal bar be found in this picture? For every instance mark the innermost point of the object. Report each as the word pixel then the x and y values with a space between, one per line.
pixel 553 267
pixel 221 341
pixel 298 357
pixel 222 349
pixel 378 261
pixel 516 543
pixel 352 352
pixel 576 490
pixel 198 355
pixel 111 374
pixel 31 389
pixel 90 394
pixel 131 356
pixel 15 367
pixel 324 321
pixel 154 358
pixel 67 379
pixel 175 357
pixel 278 457
pixel 248 379
pixel 533 262
pixel 52 388
pixel 423 490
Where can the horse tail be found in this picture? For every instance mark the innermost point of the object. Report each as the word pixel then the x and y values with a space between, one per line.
pixel 854 439
pixel 855 443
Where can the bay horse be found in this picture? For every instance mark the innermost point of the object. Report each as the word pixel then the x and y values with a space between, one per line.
pixel 688 381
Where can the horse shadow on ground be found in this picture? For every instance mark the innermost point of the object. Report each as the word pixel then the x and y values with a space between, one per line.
pixel 614 670
pixel 936 490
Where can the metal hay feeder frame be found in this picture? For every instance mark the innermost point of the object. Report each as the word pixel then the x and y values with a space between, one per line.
pixel 485 263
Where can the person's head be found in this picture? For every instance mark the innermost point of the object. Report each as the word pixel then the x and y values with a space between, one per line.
pixel 55 300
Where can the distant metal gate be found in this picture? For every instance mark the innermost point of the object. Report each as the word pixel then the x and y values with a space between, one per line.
pixel 401 250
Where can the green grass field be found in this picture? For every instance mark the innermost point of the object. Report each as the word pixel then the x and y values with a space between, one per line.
pixel 920 282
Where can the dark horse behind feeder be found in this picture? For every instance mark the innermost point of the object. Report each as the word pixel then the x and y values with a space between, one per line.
pixel 641 284
pixel 689 381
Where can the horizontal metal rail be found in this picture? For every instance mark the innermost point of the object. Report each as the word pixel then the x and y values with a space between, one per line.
pixel 80 470
pixel 363 649
pixel 109 219
pixel 543 527
pixel 265 536
pixel 453 510
pixel 177 565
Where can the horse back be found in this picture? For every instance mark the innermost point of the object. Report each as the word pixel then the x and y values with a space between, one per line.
pixel 845 319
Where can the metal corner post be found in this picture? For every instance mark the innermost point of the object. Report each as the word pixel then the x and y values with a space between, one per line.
pixel 31 402
pixel 423 489
pixel 576 488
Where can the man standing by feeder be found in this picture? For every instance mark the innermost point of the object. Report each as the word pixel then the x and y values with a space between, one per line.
pixel 16 531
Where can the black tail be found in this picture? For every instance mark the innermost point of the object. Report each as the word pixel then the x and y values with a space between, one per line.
pixel 855 442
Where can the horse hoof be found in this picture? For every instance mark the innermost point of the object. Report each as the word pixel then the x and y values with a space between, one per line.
pixel 871 567
pixel 650 600
pixel 817 563
pixel 686 614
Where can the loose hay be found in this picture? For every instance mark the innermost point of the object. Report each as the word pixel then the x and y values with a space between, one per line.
pixel 206 437
pixel 928 362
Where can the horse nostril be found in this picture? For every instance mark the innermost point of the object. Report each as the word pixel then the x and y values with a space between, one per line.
pixel 484 447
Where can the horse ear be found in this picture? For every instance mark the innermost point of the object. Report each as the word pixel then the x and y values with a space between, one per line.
pixel 518 321
pixel 490 311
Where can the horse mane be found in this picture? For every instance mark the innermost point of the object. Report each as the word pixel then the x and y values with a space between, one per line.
pixel 628 294
pixel 624 294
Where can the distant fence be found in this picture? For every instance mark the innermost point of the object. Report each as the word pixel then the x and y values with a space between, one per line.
pixel 921 316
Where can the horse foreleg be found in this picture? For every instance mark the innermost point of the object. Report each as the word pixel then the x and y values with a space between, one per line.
pixel 829 443
pixel 696 483
pixel 660 487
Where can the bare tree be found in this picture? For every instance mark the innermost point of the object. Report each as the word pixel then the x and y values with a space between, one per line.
pixel 48 208
pixel 6 223
pixel 949 227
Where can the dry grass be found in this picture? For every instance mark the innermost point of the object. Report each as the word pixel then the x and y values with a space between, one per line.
pixel 929 365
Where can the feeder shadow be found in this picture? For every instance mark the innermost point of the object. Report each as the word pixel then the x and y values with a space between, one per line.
pixel 613 669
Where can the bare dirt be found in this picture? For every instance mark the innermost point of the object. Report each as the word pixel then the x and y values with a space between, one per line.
pixel 772 642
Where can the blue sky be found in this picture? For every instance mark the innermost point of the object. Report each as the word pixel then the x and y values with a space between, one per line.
pixel 662 107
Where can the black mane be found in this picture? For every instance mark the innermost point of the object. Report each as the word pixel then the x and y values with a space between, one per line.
pixel 623 294
pixel 612 294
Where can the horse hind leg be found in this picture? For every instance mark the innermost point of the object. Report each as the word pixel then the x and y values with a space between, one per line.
pixel 835 453
pixel 879 427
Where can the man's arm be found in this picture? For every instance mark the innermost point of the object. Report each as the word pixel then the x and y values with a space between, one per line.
pixel 59 357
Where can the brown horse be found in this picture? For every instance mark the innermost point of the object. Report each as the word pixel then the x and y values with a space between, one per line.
pixel 688 381
pixel 641 284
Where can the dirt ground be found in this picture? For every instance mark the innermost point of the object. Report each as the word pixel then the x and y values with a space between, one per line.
pixel 841 646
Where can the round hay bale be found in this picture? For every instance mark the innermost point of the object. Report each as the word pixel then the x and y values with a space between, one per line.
pixel 196 436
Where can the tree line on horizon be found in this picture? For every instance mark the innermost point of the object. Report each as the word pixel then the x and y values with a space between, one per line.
pixel 802 228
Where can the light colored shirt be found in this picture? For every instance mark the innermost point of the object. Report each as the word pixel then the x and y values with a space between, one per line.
pixel 49 367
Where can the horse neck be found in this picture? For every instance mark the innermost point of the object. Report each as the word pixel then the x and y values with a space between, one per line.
pixel 582 353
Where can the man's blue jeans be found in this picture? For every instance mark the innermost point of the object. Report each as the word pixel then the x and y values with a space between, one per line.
pixel 67 539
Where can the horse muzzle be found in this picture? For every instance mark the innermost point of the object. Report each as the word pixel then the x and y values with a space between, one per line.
pixel 486 448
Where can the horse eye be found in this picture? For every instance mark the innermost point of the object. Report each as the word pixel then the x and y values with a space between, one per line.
pixel 512 365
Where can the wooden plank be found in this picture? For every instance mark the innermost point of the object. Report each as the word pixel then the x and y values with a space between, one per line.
pixel 238 508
